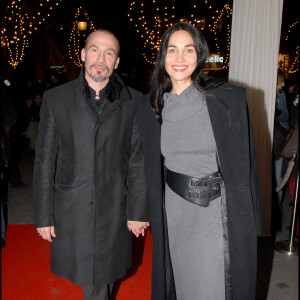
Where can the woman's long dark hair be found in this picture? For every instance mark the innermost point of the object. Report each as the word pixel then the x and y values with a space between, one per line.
pixel 160 80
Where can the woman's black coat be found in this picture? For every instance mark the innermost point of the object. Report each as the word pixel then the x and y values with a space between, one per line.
pixel 89 180
pixel 241 207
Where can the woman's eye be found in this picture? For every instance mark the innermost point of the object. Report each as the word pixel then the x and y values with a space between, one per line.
pixel 190 50
pixel 171 50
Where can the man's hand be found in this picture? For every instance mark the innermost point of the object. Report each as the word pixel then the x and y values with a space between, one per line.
pixel 46 233
pixel 137 227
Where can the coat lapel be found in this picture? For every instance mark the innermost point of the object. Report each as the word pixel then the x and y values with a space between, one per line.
pixel 220 119
pixel 88 101
pixel 221 124
pixel 109 109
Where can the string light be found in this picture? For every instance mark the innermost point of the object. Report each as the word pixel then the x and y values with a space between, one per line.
pixel 163 17
pixel 150 30
pixel 291 27
pixel 219 20
pixel 14 35
pixel 19 24
pixel 76 36
pixel 295 65
pixel 200 23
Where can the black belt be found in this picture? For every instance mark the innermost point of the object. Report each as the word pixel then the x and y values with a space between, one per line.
pixel 197 190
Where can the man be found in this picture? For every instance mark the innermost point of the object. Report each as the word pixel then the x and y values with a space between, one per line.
pixel 89 180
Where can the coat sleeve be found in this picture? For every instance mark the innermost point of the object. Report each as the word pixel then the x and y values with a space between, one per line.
pixel 44 167
pixel 254 180
pixel 137 204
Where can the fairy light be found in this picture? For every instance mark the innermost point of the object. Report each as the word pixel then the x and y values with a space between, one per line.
pixel 283 62
pixel 290 28
pixel 18 25
pixel 150 30
pixel 295 64
pixel 162 16
pixel 74 46
pixel 197 22
pixel 227 11
pixel 45 9
pixel 14 35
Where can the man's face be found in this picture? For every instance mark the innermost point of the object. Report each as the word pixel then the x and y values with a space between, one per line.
pixel 100 56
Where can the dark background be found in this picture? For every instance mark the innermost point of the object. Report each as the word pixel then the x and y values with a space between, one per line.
pixel 113 15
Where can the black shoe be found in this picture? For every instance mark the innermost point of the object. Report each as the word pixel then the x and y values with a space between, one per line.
pixel 20 185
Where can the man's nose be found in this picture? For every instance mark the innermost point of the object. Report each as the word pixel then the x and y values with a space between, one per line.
pixel 100 57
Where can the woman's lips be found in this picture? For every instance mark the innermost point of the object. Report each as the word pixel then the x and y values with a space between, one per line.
pixel 179 68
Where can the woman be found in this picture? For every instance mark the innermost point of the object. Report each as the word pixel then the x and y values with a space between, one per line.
pixel 204 231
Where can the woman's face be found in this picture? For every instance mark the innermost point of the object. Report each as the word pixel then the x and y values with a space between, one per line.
pixel 181 58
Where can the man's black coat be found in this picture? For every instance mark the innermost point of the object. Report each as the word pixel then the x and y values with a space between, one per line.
pixel 89 180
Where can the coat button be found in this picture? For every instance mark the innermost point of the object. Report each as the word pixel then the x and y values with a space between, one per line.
pixel 92 202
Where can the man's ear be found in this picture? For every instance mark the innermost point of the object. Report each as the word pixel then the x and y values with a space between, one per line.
pixel 117 62
pixel 83 54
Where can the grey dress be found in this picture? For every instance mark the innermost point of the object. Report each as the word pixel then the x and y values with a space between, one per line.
pixel 195 232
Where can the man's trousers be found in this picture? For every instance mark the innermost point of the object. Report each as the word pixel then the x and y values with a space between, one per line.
pixel 97 292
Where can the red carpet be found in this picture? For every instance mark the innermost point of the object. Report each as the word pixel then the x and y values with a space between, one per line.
pixel 26 270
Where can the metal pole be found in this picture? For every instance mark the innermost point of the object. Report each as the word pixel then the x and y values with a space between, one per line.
pixel 288 247
pixel 294 213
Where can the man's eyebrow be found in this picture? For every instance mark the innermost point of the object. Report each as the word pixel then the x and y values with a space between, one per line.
pixel 112 49
pixel 93 45
pixel 109 49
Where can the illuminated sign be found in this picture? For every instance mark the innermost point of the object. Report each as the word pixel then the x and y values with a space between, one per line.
pixel 215 59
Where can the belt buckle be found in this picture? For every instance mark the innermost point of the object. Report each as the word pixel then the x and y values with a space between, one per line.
pixel 197 198
pixel 196 182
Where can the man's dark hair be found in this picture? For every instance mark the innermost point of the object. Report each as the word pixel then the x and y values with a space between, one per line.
pixel 161 82
pixel 107 32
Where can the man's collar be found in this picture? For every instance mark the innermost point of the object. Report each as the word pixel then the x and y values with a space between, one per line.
pixel 101 93
pixel 115 88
